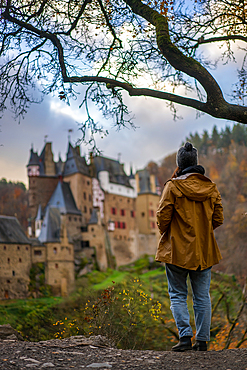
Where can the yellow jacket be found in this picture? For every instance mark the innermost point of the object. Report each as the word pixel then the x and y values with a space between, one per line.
pixel 189 209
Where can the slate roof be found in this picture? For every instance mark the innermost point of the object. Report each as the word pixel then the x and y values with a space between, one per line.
pixel 34 158
pixel 11 231
pixel 59 166
pixel 39 213
pixel 115 169
pixel 131 176
pixel 62 198
pixel 38 160
pixel 50 230
pixel 94 217
pixel 36 242
pixel 75 163
pixel 144 181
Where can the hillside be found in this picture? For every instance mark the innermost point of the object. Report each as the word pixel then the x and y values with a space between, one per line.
pixel 131 307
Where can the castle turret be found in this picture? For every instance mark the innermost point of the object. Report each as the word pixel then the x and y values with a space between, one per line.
pixel 33 168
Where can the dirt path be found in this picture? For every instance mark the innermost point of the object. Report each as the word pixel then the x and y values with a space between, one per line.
pixel 66 354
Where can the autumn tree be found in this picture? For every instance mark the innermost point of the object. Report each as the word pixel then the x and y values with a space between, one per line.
pixel 14 201
pixel 142 47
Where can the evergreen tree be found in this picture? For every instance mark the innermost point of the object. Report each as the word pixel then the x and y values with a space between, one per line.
pixel 215 138
pixel 195 140
pixel 239 134
pixel 205 143
pixel 225 138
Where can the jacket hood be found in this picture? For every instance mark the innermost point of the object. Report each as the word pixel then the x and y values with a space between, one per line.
pixel 195 186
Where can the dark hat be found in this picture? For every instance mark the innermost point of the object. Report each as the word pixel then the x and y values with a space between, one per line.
pixel 186 156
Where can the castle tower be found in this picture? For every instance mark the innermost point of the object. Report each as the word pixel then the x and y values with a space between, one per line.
pixel 146 202
pixel 77 174
pixel 33 164
pixel 42 181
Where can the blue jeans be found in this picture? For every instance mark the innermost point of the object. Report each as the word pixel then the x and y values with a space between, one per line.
pixel 177 288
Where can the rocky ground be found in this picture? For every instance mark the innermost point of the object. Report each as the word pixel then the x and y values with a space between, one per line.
pixel 95 353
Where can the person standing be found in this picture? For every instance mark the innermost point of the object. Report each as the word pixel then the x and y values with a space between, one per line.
pixel 189 210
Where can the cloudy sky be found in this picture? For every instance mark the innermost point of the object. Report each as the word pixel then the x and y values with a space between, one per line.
pixel 156 135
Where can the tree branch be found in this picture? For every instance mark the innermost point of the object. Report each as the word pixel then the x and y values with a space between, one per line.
pixel 175 57
pixel 49 36
pixel 81 11
pixel 230 111
pixel 201 40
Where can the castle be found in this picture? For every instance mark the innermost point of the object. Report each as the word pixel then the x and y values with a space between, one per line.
pixel 88 213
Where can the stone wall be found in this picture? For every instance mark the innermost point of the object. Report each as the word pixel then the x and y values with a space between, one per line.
pixel 15 264
pixel 59 271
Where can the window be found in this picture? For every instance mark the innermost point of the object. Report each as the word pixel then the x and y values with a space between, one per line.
pixel 123 225
pixel 37 253
pixel 75 218
pixel 151 213
pixel 55 250
pixel 88 182
pixel 85 244
pixel 143 214
pixel 13 273
pixel 4 247
pixel 8 260
pixel 90 197
pixel 84 229
pixel 132 213
pixel 18 248
pixel 84 195
pixel 20 260
pixel 80 219
pixel 69 218
pixel 122 212
pixel 113 211
pixel 85 209
pixel 153 225
pixel 26 248
pixel 56 265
